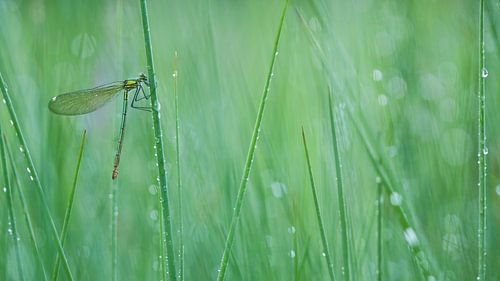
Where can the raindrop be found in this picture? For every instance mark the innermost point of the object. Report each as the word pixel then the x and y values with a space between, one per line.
pixel 4 101
pixel 382 100
pixel 21 148
pixel 292 254
pixel 411 237
pixel 5 189
pixel 485 150
pixel 153 215
pixel 9 230
pixel 377 75
pixel 28 169
pixel 291 230
pixel 12 122
pixel 323 254
pixel 276 53
pixel 396 199
pixel 152 189
pixel 31 178
pixel 484 72
pixel 378 180
pixel 497 189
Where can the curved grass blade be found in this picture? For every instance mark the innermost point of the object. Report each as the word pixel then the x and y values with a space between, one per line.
pixel 25 211
pixel 84 101
pixel 340 194
pixel 34 175
pixel 179 179
pixel 12 230
pixel 329 261
pixel 250 155
pixel 160 156
pixel 69 208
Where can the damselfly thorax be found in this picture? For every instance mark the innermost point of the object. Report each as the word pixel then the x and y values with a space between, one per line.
pixel 89 100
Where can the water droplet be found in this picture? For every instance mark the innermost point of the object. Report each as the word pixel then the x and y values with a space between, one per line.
pixel 411 237
pixel 292 254
pixel 484 72
pixel 4 101
pixel 54 98
pixel 485 150
pixel 9 230
pixel 28 169
pixel 276 53
pixel 377 75
pixel 152 189
pixel 497 189
pixel 291 230
pixel 153 215
pixel 382 100
pixel 323 254
pixel 5 189
pixel 21 148
pixel 378 180
pixel 31 178
pixel 12 122
pixel 396 199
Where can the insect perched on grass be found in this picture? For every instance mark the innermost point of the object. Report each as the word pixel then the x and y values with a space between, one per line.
pixel 85 101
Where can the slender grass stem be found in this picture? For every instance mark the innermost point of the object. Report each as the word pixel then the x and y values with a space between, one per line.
pixel 67 215
pixel 380 201
pixel 12 229
pixel 114 231
pixel 250 155
pixel 155 103
pixel 341 199
pixel 329 262
pixel 482 150
pixel 26 212
pixel 179 178
pixel 33 173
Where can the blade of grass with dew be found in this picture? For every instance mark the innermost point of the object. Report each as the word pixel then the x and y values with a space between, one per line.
pixel 482 150
pixel 178 164
pixel 33 173
pixel 340 194
pixel 26 212
pixel 155 103
pixel 250 155
pixel 67 215
pixel 12 229
pixel 380 166
pixel 380 201
pixel 329 262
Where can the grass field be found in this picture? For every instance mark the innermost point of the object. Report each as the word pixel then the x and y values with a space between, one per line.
pixel 387 93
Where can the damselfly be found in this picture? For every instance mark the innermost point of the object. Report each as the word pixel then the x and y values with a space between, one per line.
pixel 85 101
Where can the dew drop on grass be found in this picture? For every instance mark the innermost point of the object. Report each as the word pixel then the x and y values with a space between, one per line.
pixel 12 122
pixel 484 72
pixel 5 189
pixel 291 254
pixel 377 75
pixel 485 150
pixel 411 237
pixel 21 148
pixel 31 178
pixel 291 230
pixel 4 101
pixel 152 189
pixel 497 189
pixel 382 100
pixel 153 215
pixel 396 199
pixel 9 230
pixel 278 189
pixel 28 169
pixel 323 254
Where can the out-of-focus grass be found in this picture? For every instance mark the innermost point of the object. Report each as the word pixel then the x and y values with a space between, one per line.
pixel 407 68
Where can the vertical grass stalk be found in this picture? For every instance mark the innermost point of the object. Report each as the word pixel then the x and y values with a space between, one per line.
pixel 250 155
pixel 380 201
pixel 12 229
pixel 179 179
pixel 329 262
pixel 114 231
pixel 482 150
pixel 67 215
pixel 33 173
pixel 25 211
pixel 162 177
pixel 341 198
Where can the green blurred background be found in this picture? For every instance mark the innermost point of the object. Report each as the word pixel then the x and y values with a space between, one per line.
pixel 408 70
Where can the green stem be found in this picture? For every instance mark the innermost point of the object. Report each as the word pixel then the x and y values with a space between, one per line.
pixel 380 200
pixel 33 173
pixel 162 177
pixel 341 199
pixel 26 212
pixel 482 150
pixel 250 156
pixel 12 221
pixel 67 215
pixel 179 181
pixel 329 262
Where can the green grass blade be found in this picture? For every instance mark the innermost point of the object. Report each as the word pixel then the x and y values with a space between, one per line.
pixel 179 178
pixel 67 215
pixel 341 198
pixel 482 150
pixel 22 199
pixel 12 229
pixel 250 155
pixel 114 231
pixel 155 103
pixel 34 175
pixel 329 261
pixel 380 201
